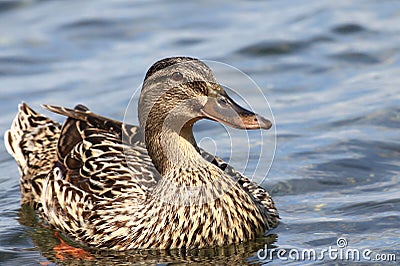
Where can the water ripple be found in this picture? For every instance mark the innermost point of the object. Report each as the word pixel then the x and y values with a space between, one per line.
pixel 279 47
pixel 348 28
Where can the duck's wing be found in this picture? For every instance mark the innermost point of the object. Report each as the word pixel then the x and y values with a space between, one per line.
pixel 95 167
pixel 101 156
pixel 252 188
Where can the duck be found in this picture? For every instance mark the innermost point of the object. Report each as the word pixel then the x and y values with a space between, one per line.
pixel 110 185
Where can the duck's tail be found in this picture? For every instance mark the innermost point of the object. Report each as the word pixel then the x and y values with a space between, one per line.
pixel 32 141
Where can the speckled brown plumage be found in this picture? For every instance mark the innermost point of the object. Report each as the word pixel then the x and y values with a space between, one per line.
pixel 116 186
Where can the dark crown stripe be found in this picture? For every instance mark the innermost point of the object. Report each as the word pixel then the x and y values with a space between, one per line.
pixel 167 62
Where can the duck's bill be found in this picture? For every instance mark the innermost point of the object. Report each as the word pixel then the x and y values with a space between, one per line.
pixel 224 110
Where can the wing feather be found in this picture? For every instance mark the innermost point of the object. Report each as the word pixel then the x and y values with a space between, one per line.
pixel 98 160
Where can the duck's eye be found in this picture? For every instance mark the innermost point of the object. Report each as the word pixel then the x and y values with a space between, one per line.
pixel 177 76
pixel 222 101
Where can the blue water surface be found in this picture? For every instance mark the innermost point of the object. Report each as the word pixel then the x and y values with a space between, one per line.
pixel 329 69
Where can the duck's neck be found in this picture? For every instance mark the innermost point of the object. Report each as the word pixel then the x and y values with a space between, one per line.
pixel 173 150
pixel 188 179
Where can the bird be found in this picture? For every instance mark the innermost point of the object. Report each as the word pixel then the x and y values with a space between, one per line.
pixel 115 186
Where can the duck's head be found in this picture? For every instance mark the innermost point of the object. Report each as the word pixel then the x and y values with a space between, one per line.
pixel 179 91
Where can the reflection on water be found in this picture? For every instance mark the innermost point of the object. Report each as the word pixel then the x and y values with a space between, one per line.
pixel 330 70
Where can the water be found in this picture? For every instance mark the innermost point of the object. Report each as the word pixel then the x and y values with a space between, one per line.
pixel 331 73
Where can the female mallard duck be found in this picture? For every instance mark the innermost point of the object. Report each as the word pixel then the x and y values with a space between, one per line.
pixel 117 186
